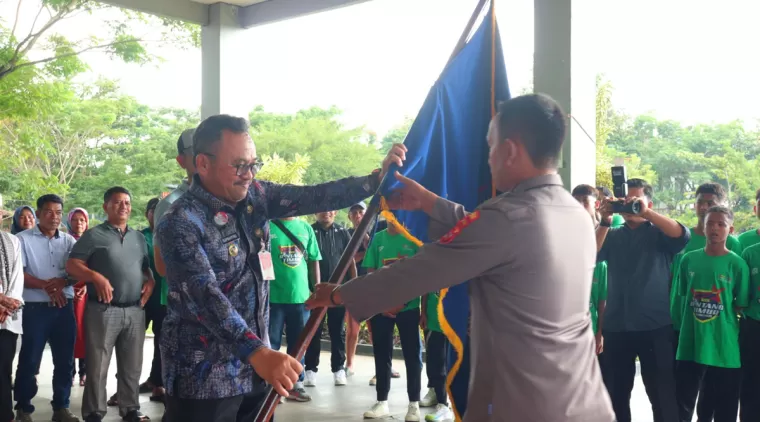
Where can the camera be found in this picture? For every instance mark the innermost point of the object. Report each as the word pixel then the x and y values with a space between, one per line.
pixel 620 190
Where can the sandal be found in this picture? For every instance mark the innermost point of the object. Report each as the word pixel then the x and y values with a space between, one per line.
pixel 158 398
pixel 113 401
pixel 146 387
pixel 135 416
pixel 82 380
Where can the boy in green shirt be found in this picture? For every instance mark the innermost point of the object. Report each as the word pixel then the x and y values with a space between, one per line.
pixel 387 247
pixel 296 267
pixel 749 341
pixel 587 196
pixel 752 237
pixel 435 365
pixel 713 285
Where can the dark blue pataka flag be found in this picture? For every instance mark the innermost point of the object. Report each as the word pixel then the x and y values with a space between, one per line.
pixel 448 154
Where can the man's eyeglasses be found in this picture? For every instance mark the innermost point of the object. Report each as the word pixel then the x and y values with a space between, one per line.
pixel 242 169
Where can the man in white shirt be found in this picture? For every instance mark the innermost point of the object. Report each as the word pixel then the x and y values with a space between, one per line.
pixel 11 301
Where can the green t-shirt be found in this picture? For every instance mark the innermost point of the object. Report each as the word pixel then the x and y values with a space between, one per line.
pixel 695 243
pixel 161 289
pixel 617 221
pixel 751 256
pixel 598 291
pixel 291 272
pixel 749 238
pixel 433 324
pixel 712 288
pixel 386 249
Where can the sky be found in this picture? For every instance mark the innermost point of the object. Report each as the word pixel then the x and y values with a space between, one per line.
pixel 690 61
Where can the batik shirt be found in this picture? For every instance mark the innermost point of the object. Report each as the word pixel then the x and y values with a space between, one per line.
pixel 218 303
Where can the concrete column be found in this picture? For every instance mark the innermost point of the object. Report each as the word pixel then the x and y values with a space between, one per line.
pixel 223 80
pixel 564 69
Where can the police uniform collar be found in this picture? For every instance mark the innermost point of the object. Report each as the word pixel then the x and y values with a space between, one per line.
pixel 537 182
pixel 36 230
pixel 211 201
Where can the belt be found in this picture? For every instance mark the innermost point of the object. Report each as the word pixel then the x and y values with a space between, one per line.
pixel 117 304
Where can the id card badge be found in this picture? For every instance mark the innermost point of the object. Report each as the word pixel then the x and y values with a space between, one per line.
pixel 267 269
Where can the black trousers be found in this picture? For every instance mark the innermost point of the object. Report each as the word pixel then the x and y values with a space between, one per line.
pixel 749 340
pixel 7 353
pixel 655 352
pixel 435 365
pixel 706 397
pixel 233 409
pixel 337 331
pixel 155 313
pixel 408 324
pixel 724 382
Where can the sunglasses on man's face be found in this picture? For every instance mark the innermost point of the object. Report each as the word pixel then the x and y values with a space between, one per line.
pixel 243 168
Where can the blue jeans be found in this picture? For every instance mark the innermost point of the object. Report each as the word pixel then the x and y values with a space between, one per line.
pixel 43 324
pixel 291 316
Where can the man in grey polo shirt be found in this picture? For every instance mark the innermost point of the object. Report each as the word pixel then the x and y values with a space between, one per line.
pixel 48 311
pixel 637 318
pixel 113 260
pixel 185 160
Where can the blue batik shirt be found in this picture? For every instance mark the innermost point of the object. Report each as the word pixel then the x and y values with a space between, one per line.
pixel 218 303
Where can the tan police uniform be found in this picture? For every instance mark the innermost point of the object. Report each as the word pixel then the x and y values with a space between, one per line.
pixel 529 254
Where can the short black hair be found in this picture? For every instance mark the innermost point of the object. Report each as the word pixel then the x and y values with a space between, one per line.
pixel 209 132
pixel 713 189
pixel 114 190
pixel 722 210
pixel 585 190
pixel 538 123
pixel 604 191
pixel 641 183
pixel 180 146
pixel 151 204
pixel 49 198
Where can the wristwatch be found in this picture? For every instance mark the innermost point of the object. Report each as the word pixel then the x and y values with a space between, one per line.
pixel 605 223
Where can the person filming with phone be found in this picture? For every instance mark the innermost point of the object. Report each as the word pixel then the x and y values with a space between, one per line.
pixel 637 319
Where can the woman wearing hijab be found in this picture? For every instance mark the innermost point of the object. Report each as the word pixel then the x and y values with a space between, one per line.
pixel 78 222
pixel 23 219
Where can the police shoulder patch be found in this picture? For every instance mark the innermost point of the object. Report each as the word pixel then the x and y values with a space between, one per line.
pixel 451 235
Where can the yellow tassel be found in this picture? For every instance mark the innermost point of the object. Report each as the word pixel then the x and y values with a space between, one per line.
pixel 391 219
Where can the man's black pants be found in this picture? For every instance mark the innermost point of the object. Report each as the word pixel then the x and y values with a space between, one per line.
pixel 723 382
pixel 654 349
pixel 408 323
pixel 337 331
pixel 749 339
pixel 156 313
pixel 706 397
pixel 232 409
pixel 435 365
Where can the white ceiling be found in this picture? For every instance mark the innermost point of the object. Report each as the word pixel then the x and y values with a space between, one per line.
pixel 232 2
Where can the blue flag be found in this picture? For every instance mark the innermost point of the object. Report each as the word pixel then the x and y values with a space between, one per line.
pixel 448 154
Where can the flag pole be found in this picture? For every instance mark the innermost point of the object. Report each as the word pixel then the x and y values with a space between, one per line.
pixel 266 411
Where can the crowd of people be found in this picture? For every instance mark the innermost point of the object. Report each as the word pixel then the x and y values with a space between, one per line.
pixel 226 269
pixel 695 337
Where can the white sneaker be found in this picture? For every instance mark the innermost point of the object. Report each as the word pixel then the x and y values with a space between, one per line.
pixel 442 413
pixel 430 399
pixel 310 379
pixel 340 377
pixel 373 381
pixel 379 410
pixel 413 414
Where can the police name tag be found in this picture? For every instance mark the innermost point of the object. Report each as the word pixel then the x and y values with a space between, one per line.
pixel 267 269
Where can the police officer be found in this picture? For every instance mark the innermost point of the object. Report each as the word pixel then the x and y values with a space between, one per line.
pixel 214 242
pixel 532 346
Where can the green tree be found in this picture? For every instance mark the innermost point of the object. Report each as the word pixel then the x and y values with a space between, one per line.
pixel 397 135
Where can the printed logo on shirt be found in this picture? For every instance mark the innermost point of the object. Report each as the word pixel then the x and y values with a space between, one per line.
pixel 706 304
pixel 290 256
pixel 754 271
pixel 724 278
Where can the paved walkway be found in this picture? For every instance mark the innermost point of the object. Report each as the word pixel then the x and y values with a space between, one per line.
pixel 330 403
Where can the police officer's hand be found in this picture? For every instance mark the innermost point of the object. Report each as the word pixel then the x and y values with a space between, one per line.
pixel 277 368
pixel 396 156
pixel 321 298
pixel 411 196
pixel 103 288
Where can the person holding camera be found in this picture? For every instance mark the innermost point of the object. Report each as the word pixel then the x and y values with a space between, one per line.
pixel 637 317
